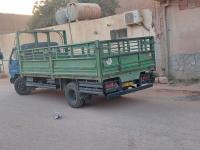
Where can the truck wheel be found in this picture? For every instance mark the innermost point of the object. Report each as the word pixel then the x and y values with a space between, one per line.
pixel 73 96
pixel 20 87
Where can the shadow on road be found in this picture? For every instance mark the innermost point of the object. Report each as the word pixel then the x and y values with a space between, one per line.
pixel 97 101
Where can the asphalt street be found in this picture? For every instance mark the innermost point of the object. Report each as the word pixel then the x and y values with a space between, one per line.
pixel 147 120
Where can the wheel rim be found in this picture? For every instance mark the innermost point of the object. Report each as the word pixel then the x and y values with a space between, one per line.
pixel 72 95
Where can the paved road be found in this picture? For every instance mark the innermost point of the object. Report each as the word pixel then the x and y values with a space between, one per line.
pixel 148 120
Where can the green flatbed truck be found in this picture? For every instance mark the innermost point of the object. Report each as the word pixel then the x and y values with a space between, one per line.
pixel 110 68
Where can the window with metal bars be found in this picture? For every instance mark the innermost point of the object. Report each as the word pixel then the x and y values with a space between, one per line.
pixel 118 34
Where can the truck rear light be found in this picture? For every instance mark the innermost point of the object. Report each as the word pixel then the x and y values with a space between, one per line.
pixel 145 77
pixel 111 85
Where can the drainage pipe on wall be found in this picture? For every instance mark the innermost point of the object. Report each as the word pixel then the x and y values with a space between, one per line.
pixel 166 37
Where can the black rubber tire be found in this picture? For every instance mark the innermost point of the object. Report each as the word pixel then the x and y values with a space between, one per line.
pixel 20 87
pixel 73 96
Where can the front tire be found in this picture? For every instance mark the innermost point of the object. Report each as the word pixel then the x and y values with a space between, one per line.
pixel 20 86
pixel 73 96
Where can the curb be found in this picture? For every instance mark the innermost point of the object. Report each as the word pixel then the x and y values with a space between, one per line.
pixel 177 90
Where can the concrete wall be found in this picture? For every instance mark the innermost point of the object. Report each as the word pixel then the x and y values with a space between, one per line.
pixel 12 22
pixel 85 31
pixel 184 42
pixel 127 5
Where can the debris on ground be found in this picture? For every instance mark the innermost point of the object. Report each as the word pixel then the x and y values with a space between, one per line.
pixel 57 116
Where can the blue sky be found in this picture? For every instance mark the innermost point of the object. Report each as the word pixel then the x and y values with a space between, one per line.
pixel 17 6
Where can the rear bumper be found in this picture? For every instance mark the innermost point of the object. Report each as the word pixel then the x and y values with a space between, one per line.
pixel 124 92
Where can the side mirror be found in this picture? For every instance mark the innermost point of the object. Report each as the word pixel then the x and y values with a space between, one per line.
pixel 11 55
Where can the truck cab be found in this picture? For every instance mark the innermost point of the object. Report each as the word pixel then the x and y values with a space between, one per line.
pixel 14 66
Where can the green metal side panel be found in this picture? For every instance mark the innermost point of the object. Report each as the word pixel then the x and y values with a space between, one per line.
pixel 77 67
pixel 36 67
pixel 75 61
pixel 99 60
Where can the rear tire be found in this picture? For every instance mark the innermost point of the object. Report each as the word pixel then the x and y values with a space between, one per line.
pixel 20 86
pixel 73 96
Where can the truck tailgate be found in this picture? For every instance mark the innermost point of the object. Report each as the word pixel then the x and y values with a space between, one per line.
pixel 127 58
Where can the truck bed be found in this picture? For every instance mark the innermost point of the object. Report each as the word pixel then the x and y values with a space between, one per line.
pixel 98 60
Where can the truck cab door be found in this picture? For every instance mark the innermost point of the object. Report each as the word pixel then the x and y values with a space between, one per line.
pixel 13 66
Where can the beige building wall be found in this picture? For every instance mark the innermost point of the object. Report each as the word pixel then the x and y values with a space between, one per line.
pixel 128 5
pixel 177 28
pixel 99 29
pixel 183 28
